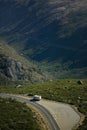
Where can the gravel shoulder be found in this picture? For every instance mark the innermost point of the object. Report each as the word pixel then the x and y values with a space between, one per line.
pixel 65 116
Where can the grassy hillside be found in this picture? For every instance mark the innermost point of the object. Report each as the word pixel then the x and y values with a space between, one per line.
pixel 5 49
pixel 59 70
pixel 15 116
pixel 68 91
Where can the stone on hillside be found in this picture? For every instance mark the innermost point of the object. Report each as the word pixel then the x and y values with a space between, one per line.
pixel 18 86
pixel 80 82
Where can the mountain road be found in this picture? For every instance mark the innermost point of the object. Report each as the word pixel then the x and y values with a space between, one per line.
pixel 47 115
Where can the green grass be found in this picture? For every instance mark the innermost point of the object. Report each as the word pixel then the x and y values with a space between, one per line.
pixel 16 116
pixel 66 90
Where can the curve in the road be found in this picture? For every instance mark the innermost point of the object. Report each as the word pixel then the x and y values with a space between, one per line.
pixel 52 123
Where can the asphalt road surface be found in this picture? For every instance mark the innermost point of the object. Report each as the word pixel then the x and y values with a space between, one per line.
pixel 49 118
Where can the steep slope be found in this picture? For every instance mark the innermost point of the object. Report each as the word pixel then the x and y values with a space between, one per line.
pixel 16 67
pixel 50 31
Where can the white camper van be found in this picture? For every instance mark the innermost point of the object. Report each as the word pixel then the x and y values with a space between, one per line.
pixel 37 97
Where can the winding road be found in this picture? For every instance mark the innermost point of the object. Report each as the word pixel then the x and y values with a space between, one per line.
pixel 49 118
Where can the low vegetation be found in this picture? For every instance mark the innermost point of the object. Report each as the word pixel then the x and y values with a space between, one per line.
pixel 72 91
pixel 16 116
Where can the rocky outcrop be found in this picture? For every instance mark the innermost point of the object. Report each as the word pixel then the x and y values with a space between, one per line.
pixel 15 70
pixel 12 68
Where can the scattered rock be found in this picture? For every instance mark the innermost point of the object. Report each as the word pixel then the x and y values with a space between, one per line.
pixel 18 86
pixel 65 87
pixel 80 82
pixel 69 81
pixel 79 97
pixel 51 80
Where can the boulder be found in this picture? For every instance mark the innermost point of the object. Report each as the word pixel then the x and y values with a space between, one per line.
pixel 80 82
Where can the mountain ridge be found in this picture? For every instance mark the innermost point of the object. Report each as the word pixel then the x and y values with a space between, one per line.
pixel 47 31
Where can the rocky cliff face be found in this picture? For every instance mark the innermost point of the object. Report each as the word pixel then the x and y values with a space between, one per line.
pixel 12 69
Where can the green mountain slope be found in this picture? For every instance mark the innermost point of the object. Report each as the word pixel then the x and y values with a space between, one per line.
pixel 51 31
pixel 16 67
